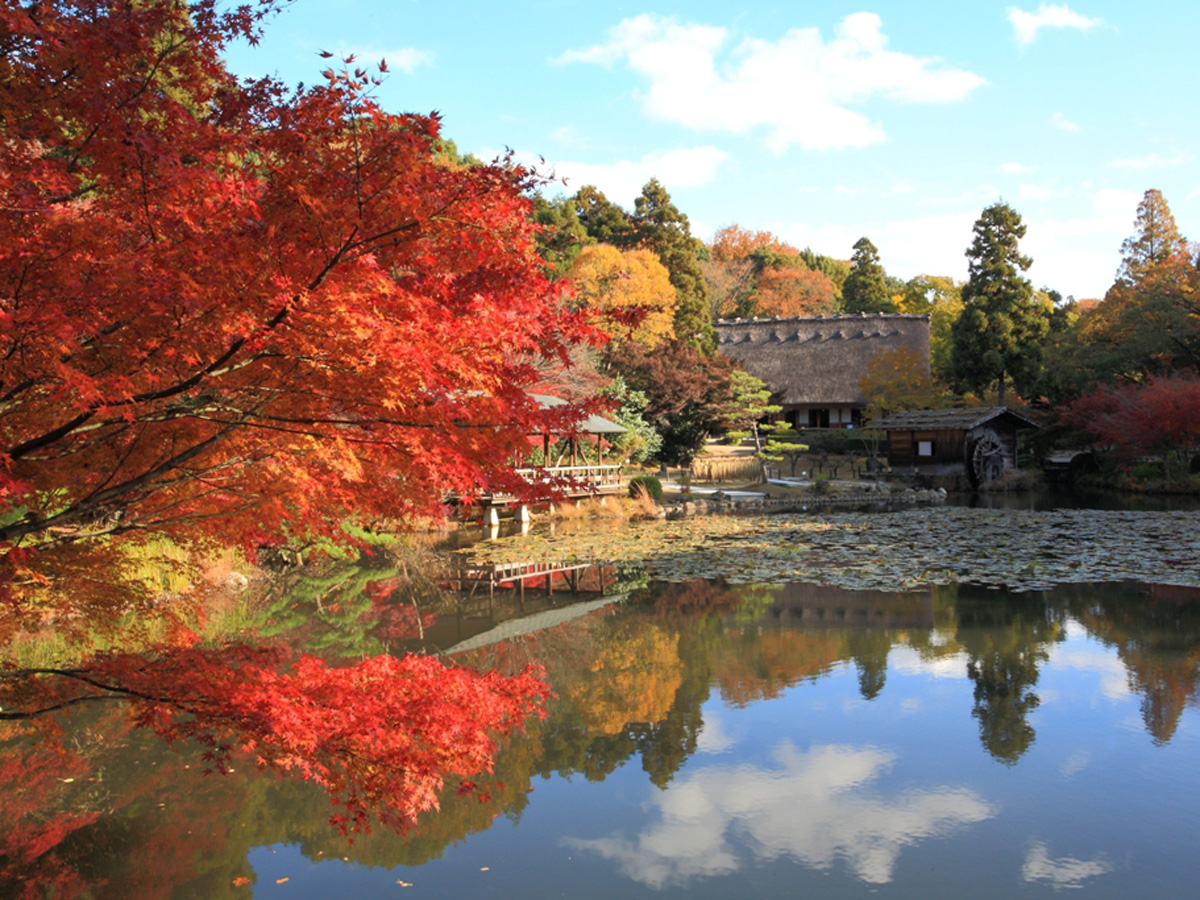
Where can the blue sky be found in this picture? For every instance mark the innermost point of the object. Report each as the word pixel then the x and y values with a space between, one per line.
pixel 820 122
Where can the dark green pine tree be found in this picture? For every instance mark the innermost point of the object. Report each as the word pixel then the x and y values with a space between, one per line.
pixel 659 226
pixel 865 289
pixel 998 336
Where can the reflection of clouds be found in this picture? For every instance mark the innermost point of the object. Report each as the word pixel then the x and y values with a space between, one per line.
pixel 908 662
pixel 713 737
pixel 1064 872
pixel 1114 680
pixel 1076 762
pixel 810 807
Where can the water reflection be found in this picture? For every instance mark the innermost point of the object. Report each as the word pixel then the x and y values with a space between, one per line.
pixel 884 714
pixel 817 807
pixel 1063 872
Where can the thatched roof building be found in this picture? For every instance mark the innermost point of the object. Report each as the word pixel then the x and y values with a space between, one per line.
pixel 814 364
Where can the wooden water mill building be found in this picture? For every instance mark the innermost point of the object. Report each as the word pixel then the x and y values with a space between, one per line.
pixel 980 443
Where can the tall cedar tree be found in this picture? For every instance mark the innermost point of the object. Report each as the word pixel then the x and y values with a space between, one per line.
pixel 1157 238
pixel 865 289
pixel 231 309
pixel 562 236
pixel 999 335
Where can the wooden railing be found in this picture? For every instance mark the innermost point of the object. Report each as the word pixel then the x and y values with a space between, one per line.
pixel 596 479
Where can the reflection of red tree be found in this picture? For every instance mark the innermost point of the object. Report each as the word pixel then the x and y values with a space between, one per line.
pixel 85 820
pixel 398 622
pixel 382 735
pixel 33 828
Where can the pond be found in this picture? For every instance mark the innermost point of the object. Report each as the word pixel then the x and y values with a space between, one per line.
pixel 711 739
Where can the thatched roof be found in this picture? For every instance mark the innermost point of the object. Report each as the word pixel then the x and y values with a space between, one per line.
pixel 819 359
pixel 951 419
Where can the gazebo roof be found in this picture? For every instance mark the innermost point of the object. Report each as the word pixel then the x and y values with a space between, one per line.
pixel 593 424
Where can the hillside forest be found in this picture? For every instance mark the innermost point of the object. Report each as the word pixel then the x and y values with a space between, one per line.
pixel 1118 371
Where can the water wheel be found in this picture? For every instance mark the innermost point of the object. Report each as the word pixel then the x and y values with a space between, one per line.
pixel 986 458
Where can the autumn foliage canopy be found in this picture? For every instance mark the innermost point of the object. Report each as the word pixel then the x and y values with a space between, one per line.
pixel 230 311
pixel 227 306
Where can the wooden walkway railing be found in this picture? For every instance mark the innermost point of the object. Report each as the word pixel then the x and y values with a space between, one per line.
pixel 581 481
pixel 471 576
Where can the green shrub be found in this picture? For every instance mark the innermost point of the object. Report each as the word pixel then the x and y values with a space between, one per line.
pixel 649 484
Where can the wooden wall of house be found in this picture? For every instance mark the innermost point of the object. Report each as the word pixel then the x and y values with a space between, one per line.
pixel 947 447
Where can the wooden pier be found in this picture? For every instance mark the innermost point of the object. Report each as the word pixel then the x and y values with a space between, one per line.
pixel 471 577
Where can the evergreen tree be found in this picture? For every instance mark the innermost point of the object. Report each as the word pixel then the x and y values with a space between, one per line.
pixel 659 226
pixel 562 235
pixel 999 334
pixel 1157 238
pixel 865 289
pixel 604 221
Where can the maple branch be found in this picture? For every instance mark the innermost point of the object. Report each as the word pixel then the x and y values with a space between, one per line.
pixel 95 502
pixel 115 692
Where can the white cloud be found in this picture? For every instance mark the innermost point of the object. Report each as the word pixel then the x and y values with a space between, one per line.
pixel 1015 168
pixel 1033 192
pixel 622 180
pixel 800 89
pixel 569 135
pixel 844 820
pixel 1062 123
pixel 902 187
pixel 406 59
pixel 1079 255
pixel 1114 677
pixel 1026 25
pixel 1152 161
pixel 1063 872
pixel 929 245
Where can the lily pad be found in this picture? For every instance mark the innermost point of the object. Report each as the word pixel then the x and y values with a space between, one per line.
pixel 1018 549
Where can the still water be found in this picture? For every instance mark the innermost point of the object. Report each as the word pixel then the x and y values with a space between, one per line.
pixel 714 741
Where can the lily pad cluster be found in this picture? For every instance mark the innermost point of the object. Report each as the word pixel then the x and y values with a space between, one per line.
pixel 1020 550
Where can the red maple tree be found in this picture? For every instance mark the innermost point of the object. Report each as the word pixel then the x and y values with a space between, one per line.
pixel 229 309
pixel 1151 418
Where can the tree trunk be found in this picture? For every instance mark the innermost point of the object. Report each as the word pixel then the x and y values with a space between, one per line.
pixel 1000 392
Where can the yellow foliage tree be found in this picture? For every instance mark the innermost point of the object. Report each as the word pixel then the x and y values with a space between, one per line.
pixel 630 680
pixel 629 290
pixel 939 297
pixel 899 379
